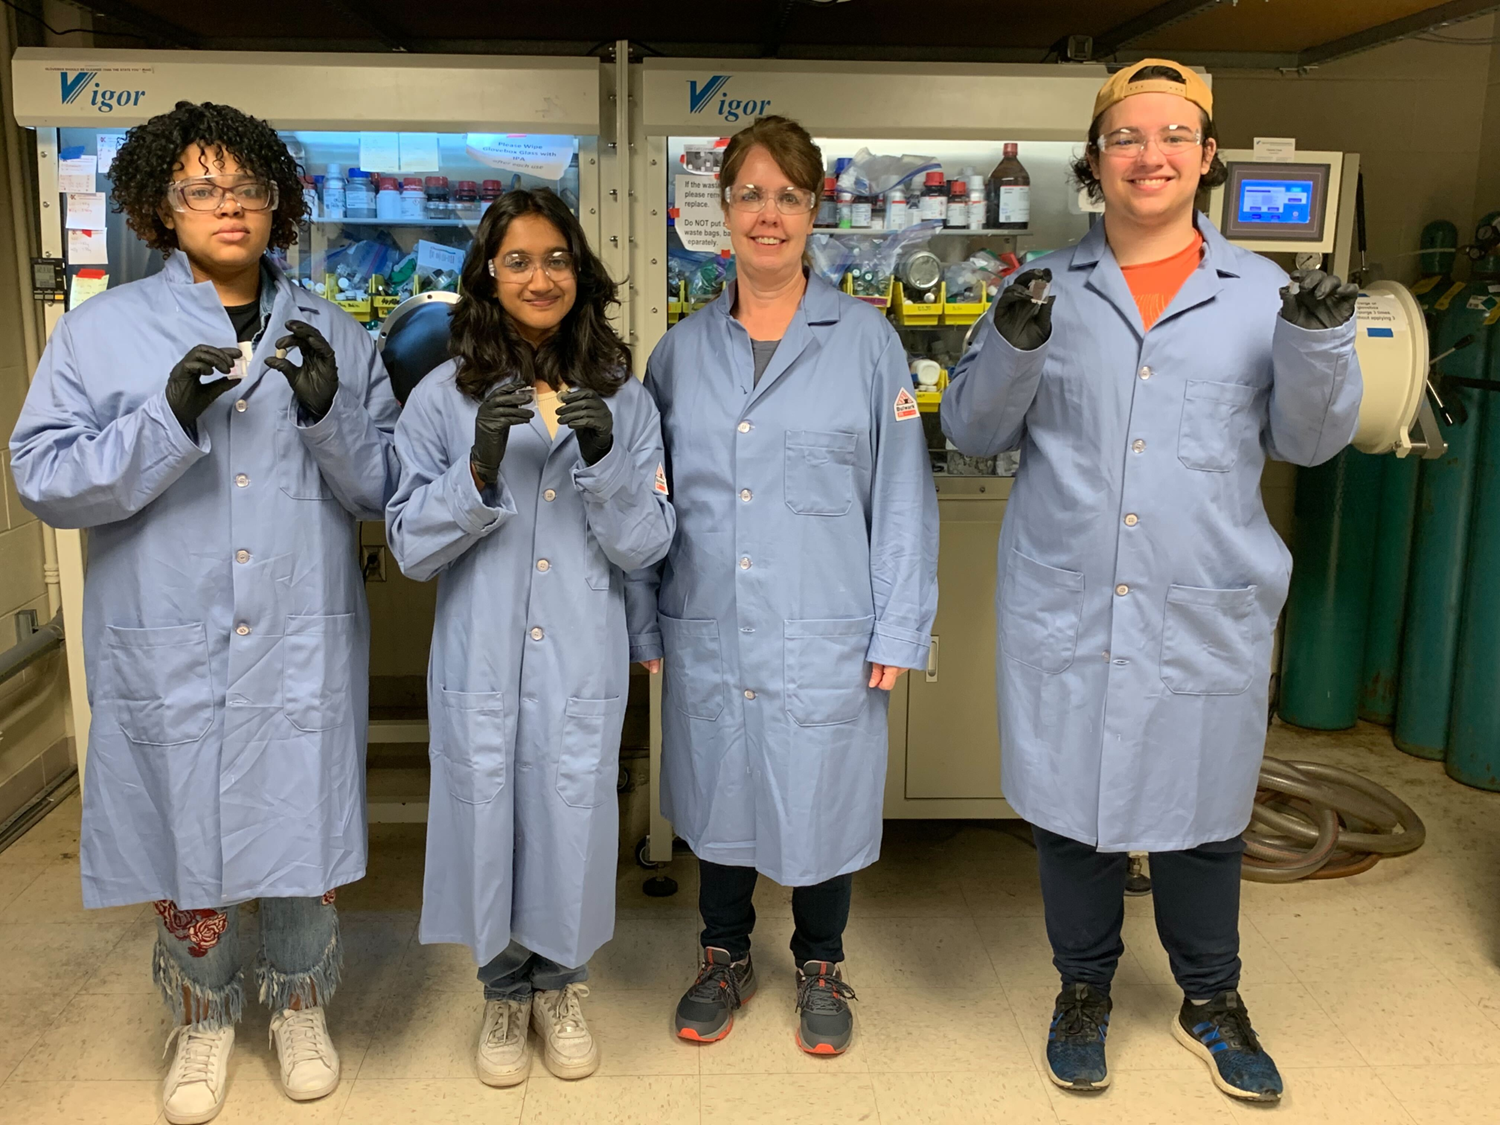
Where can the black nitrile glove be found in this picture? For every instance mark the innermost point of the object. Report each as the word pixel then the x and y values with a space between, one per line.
pixel 317 380
pixel 187 394
pixel 1025 323
pixel 588 416
pixel 503 408
pixel 1316 300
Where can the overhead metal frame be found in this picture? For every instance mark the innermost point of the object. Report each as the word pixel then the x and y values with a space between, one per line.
pixel 1150 22
pixel 1444 15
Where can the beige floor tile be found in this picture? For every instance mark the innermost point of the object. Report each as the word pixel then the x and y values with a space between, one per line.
pixel 441 966
pixel 635 1033
pixel 1140 1036
pixel 1393 1022
pixel 763 1040
pixel 127 967
pixel 260 1101
pixel 16 877
pixel 80 1103
pixel 1014 1095
pixel 55 896
pixel 1329 1096
pixel 630 899
pixel 1343 943
pixel 431 1101
pixel 658 1099
pixel 51 840
pixel 1011 891
pixel 424 1033
pixel 650 953
pixel 788 1099
pixel 1443 1095
pixel 1306 897
pixel 100 1037
pixel 1022 955
pixel 907 888
pixel 23 1021
pixel 1146 1097
pixel 54 959
pixel 938 1030
pixel 915 953
pixel 1259 961
pixel 1291 1024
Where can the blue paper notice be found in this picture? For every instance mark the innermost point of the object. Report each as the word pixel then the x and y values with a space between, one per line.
pixel 71 152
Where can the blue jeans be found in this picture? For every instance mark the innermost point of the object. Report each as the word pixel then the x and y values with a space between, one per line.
pixel 196 963
pixel 517 972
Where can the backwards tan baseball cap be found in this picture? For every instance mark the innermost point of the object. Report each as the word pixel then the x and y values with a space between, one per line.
pixel 1123 83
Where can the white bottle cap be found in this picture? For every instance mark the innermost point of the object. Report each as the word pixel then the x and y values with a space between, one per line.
pixel 334 170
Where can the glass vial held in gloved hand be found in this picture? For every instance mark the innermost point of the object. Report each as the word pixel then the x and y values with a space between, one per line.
pixel 187 394
pixel 588 416
pixel 1315 300
pixel 317 380
pixel 502 408
pixel 1023 311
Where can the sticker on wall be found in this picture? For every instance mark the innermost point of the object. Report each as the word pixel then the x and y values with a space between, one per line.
pixel 87 248
pixel 699 215
pixel 86 210
pixel 107 145
pixel 532 154
pixel 86 284
pixel 77 174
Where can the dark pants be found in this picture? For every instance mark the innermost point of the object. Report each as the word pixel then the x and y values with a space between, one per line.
pixel 516 973
pixel 1196 894
pixel 821 912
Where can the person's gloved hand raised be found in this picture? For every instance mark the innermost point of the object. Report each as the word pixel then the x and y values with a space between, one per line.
pixel 588 416
pixel 187 394
pixel 1025 322
pixel 1316 300
pixel 317 380
pixel 502 408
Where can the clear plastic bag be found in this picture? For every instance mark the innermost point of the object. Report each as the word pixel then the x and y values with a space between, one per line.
pixel 875 175
pixel 830 257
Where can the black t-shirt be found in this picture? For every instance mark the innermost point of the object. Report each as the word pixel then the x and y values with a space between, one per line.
pixel 245 318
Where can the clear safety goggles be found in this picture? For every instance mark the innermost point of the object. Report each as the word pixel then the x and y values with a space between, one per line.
pixel 206 193
pixel 1170 140
pixel 789 200
pixel 522 267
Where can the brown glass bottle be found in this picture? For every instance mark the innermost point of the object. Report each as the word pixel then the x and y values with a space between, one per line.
pixel 1007 194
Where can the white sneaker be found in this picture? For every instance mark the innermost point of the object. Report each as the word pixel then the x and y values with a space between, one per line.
pixel 199 1075
pixel 309 1064
pixel 504 1057
pixel 571 1051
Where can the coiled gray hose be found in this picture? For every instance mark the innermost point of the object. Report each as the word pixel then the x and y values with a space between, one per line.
pixel 1316 821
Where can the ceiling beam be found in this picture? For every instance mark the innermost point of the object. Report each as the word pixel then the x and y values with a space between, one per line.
pixel 152 27
pixel 377 28
pixel 1455 11
pixel 1149 22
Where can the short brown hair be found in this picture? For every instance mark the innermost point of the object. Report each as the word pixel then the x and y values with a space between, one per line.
pixel 789 144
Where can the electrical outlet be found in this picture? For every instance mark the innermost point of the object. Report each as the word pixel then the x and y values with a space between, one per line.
pixel 372 563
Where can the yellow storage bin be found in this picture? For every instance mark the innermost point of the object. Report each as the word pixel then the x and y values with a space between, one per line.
pixel 917 314
pixel 965 312
pixel 880 301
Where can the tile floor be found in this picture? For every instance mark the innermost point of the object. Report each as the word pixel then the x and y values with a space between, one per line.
pixel 1378 995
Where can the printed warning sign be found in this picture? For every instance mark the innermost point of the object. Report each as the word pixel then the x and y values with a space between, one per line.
pixel 661 479
pixel 906 405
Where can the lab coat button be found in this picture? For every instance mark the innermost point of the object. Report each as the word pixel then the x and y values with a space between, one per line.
pixel 745 563
pixel 744 427
pixel 241 405
pixel 536 633
pixel 1132 519
pixel 242 629
pixel 543 564
pixel 1138 445
pixel 242 555
pixel 746 494
pixel 1145 373
pixel 241 479
pixel 749 694
pixel 1122 589
pixel 549 496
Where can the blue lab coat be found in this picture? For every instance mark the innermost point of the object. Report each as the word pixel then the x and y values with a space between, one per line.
pixel 806 548
pixel 530 668
pixel 1139 579
pixel 226 635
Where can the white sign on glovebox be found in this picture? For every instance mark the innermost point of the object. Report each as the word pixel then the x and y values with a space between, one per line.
pixel 700 214
pixel 532 154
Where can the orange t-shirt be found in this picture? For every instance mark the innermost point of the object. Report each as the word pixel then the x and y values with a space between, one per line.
pixel 1154 284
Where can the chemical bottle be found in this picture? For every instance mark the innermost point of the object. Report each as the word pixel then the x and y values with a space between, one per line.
pixel 828 208
pixel 957 213
pixel 438 203
pixel 333 192
pixel 388 199
pixel 413 198
pixel 859 212
pixel 934 205
pixel 895 209
pixel 310 195
pixel 359 195
pixel 1008 194
pixel 976 202
pixel 877 212
pixel 844 199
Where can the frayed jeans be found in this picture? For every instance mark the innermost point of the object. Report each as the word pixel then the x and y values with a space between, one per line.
pixel 196 963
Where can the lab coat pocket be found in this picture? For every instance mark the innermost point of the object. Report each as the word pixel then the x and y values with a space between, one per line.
pixel 590 763
pixel 296 469
pixel 693 667
pixel 1040 610
pixel 316 682
pixel 827 677
pixel 474 745
pixel 1207 640
pixel 1208 439
pixel 596 564
pixel 157 683
pixel 819 472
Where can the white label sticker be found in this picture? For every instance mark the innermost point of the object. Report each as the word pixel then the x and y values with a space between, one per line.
pixel 699 210
pixel 661 479
pixel 906 405
pixel 1276 150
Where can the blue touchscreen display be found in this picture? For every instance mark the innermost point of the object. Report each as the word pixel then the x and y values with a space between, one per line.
pixel 1282 202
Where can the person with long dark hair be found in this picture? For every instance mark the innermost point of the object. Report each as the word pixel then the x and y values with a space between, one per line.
pixel 531 481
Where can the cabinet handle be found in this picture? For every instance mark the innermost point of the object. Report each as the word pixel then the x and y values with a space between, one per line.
pixel 932 662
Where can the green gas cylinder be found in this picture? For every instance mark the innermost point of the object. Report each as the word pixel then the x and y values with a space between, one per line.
pixel 1398 508
pixel 1445 497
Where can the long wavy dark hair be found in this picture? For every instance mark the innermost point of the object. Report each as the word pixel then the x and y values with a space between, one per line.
pixel 585 351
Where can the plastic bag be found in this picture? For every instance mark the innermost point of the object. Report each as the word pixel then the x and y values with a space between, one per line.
pixel 704 271
pixel 831 258
pixel 875 175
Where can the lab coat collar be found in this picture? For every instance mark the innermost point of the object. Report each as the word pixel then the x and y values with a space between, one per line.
pixel 819 306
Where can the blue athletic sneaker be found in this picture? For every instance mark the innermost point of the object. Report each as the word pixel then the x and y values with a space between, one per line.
pixel 1219 1033
pixel 1075 1041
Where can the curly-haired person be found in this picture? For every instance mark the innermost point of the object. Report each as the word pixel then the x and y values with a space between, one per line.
pixel 226 635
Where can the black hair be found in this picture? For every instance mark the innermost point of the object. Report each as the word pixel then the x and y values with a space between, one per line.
pixel 1084 175
pixel 151 152
pixel 585 351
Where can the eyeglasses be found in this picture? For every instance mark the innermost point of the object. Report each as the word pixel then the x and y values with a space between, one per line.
pixel 1171 140
pixel 206 193
pixel 521 267
pixel 789 200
